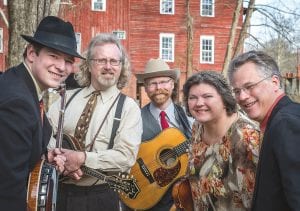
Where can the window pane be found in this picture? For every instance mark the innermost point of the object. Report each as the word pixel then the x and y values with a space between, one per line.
pixel 98 5
pixel 167 7
pixel 207 50
pixel 207 7
pixel 167 47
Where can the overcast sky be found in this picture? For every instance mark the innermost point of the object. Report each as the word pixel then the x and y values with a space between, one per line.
pixel 284 5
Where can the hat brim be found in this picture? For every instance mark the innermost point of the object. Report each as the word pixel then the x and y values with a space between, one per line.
pixel 173 73
pixel 62 49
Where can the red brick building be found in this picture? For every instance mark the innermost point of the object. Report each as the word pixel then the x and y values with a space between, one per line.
pixel 155 28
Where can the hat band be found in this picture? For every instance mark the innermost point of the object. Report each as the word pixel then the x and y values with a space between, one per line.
pixel 56 39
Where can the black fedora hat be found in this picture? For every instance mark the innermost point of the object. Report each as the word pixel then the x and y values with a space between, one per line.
pixel 57 34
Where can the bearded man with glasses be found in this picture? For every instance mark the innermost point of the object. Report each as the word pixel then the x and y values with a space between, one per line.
pixel 90 117
pixel 256 82
pixel 159 81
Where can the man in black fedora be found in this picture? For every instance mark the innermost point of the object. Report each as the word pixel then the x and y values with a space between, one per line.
pixel 24 128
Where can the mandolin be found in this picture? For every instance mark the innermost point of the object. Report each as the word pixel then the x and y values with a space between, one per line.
pixel 122 183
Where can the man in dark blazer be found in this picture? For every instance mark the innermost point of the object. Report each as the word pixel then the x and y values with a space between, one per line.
pixel 24 128
pixel 256 82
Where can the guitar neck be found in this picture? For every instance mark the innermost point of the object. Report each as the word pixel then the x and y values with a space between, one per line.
pixel 182 148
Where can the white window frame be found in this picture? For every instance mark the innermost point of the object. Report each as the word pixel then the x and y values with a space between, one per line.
pixel 121 35
pixel 163 7
pixel 167 52
pixel 101 2
pixel 207 56
pixel 1 40
pixel 5 2
pixel 78 41
pixel 206 3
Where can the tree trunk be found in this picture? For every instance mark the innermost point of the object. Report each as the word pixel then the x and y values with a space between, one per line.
pixel 24 16
pixel 230 45
pixel 189 61
pixel 240 45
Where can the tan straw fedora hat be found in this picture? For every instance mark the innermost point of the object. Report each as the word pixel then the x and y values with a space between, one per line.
pixel 157 68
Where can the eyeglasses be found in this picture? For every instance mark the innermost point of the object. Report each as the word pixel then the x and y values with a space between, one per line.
pixel 112 62
pixel 248 88
pixel 155 84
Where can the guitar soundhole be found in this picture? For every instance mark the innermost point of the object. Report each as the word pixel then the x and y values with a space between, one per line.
pixel 168 158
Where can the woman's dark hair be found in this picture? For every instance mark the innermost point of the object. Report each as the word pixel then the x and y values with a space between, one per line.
pixel 218 81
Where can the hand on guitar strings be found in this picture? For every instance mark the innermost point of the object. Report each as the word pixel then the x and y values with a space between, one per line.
pixel 56 158
pixel 74 160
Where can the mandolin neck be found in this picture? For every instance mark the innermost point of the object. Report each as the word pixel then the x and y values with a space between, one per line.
pixel 94 173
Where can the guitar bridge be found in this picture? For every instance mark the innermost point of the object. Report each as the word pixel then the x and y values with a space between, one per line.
pixel 145 171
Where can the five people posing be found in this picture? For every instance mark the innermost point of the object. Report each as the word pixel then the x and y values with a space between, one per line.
pixel 104 128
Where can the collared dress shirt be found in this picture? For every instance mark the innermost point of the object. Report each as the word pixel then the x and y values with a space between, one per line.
pixel 170 114
pixel 127 140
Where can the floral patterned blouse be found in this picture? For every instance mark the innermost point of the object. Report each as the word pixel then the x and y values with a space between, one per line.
pixel 222 175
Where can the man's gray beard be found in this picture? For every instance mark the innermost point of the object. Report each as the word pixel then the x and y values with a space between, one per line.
pixel 106 83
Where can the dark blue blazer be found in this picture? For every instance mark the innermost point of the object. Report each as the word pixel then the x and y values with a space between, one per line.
pixel 277 185
pixel 23 139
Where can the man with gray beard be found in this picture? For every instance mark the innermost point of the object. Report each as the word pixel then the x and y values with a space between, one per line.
pixel 89 118
pixel 159 81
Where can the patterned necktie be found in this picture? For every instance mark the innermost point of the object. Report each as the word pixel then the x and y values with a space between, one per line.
pixel 163 121
pixel 85 118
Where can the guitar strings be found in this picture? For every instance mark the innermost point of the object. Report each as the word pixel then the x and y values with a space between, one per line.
pixel 152 164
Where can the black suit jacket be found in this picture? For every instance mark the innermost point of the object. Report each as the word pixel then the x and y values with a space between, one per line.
pixel 278 174
pixel 23 139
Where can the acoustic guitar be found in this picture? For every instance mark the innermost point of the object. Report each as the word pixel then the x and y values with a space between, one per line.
pixel 122 183
pixel 182 195
pixel 160 162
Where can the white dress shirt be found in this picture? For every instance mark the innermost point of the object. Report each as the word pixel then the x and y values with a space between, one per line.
pixel 128 137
